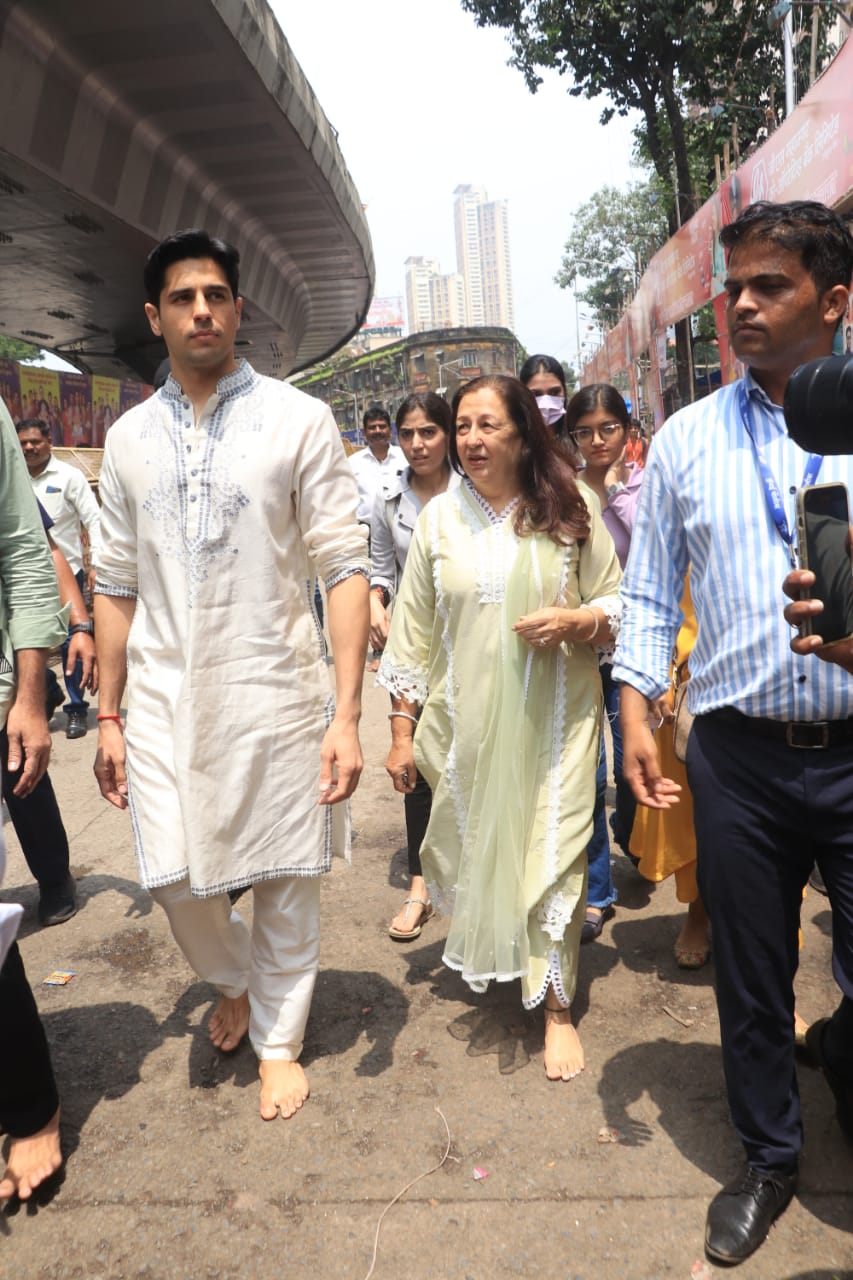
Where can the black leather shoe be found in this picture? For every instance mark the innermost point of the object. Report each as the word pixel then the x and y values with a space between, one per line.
pixel 55 698
pixel 841 1089
pixel 58 904
pixel 740 1216
pixel 77 724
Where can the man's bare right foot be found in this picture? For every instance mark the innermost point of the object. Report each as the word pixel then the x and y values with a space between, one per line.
pixel 32 1161
pixel 284 1088
pixel 229 1022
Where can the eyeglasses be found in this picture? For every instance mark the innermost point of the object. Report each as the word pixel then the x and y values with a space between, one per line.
pixel 583 435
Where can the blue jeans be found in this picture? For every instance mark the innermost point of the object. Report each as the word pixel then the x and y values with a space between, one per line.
pixel 600 891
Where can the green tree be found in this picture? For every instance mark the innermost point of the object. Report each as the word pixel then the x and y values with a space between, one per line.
pixel 612 237
pixel 673 61
pixel 15 349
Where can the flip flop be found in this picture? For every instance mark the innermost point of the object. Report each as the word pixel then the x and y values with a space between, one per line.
pixel 406 935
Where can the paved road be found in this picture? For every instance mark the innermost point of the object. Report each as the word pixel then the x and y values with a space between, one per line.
pixel 170 1172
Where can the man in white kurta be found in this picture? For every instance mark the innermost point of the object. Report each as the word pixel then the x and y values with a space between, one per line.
pixel 222 497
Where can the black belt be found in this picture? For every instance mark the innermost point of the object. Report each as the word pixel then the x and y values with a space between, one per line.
pixel 804 735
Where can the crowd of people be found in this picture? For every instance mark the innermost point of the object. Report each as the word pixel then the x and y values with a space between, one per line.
pixel 519 567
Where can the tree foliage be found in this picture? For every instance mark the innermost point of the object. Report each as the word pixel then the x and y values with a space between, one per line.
pixel 671 60
pixel 16 349
pixel 612 237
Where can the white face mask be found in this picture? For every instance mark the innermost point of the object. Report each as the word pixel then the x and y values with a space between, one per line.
pixel 552 408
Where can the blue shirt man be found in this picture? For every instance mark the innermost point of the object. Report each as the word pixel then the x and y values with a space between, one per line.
pixel 770 759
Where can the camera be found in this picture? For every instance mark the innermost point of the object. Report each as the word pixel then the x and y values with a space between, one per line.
pixel 819 405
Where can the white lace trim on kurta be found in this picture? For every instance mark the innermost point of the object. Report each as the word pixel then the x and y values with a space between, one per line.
pixel 554 979
pixel 409 683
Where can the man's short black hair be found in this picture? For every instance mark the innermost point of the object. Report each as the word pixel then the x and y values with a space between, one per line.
pixel 27 424
pixel 819 236
pixel 373 412
pixel 194 243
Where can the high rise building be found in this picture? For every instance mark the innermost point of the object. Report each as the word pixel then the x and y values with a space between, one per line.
pixel 480 290
pixel 495 265
pixel 466 209
pixel 419 273
pixel 447 299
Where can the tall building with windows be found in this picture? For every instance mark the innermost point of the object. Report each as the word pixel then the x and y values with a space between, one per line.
pixel 480 290
pixel 420 272
pixel 467 201
pixel 447 297
pixel 495 265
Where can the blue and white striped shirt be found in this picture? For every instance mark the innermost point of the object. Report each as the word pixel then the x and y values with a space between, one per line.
pixel 704 504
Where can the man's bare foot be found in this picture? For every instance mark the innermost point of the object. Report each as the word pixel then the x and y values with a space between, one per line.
pixel 32 1161
pixel 229 1022
pixel 564 1056
pixel 284 1088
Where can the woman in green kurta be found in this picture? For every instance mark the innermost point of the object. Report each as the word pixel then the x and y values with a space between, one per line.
pixel 510 580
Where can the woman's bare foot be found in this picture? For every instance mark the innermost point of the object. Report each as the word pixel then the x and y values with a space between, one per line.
pixel 564 1056
pixel 229 1022
pixel 32 1161
pixel 284 1088
pixel 693 944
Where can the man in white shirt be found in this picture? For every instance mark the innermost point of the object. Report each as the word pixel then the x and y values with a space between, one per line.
pixel 380 461
pixel 372 467
pixel 65 495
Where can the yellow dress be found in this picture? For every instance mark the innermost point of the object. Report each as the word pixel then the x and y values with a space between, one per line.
pixel 664 839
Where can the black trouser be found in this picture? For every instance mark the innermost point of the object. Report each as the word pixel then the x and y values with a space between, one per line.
pixel 38 825
pixel 418 805
pixel 28 1096
pixel 765 813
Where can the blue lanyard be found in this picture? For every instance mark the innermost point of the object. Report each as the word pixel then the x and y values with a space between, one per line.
pixel 771 488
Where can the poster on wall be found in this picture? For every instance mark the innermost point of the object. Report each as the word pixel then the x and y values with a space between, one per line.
pixel 75 390
pixel 10 388
pixel 40 397
pixel 105 407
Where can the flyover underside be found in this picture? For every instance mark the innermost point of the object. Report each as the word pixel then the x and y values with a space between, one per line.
pixel 118 125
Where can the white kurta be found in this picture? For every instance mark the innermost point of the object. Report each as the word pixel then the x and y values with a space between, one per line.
pixel 219 527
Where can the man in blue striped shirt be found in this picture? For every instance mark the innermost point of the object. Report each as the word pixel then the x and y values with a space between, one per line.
pixel 770 758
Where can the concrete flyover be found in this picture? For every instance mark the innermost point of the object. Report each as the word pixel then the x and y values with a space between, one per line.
pixel 119 124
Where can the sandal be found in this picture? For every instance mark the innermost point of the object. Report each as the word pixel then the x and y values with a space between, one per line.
pixel 406 935
pixel 594 922
pixel 688 958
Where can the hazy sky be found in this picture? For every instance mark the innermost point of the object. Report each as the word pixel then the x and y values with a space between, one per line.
pixel 423 100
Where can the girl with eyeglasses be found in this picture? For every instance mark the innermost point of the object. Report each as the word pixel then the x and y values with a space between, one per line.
pixel 597 421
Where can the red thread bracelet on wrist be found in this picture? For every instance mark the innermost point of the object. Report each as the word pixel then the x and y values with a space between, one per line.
pixel 116 718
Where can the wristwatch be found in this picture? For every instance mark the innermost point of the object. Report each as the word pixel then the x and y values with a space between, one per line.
pixel 88 627
pixel 613 489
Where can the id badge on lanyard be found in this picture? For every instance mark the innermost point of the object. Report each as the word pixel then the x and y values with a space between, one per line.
pixel 772 491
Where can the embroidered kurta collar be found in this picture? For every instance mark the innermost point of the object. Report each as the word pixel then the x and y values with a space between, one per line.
pixel 494 517
pixel 236 383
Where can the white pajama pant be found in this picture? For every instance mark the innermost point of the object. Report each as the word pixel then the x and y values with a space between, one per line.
pixel 276 962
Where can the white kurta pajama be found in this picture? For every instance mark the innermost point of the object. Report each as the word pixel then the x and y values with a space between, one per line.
pixel 218 527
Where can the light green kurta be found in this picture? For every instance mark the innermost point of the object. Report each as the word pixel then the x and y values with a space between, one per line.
pixel 509 735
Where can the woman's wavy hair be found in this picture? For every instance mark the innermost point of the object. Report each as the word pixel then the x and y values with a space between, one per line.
pixel 550 499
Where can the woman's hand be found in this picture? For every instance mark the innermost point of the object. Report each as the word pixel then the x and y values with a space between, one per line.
pixel 547 628
pixel 400 765
pixel 380 623
pixel 617 472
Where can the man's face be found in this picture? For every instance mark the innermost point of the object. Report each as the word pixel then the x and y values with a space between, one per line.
pixel 377 433
pixel 36 449
pixel 197 316
pixel 776 317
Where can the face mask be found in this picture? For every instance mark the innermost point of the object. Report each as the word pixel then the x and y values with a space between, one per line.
pixel 552 408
